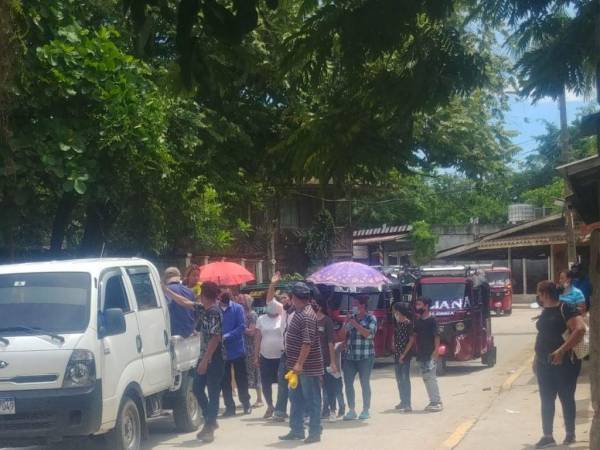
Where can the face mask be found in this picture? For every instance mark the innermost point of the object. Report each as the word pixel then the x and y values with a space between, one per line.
pixel 355 310
pixel 271 309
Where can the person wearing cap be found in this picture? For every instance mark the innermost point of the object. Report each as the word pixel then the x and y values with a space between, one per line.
pixel 303 350
pixel 183 318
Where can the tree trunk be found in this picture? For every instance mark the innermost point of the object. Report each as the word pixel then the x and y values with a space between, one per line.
pixel 99 218
pixel 595 339
pixel 61 220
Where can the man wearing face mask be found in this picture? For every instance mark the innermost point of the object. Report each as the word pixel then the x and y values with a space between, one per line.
pixel 428 341
pixel 359 330
pixel 234 326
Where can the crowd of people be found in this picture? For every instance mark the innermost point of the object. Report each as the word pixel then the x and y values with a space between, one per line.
pixel 295 339
pixel 297 336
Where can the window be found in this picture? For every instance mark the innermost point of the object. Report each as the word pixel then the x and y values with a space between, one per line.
pixel 55 301
pixel 114 294
pixel 143 288
pixel 288 214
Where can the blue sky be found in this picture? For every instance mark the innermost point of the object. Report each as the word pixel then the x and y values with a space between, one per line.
pixel 528 120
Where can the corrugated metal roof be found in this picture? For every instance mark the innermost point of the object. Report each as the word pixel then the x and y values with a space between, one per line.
pixel 381 231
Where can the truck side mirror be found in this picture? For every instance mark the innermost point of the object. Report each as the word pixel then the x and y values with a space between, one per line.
pixel 113 322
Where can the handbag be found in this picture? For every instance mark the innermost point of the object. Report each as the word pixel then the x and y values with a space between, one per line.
pixel 582 348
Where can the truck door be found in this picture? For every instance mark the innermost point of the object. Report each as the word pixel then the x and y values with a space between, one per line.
pixel 154 334
pixel 120 354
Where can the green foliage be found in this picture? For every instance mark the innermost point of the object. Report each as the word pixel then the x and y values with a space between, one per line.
pixel 321 238
pixel 545 196
pixel 443 200
pixel 423 240
pixel 554 42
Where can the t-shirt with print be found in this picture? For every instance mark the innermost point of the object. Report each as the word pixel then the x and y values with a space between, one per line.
pixel 210 324
pixel 425 331
pixel 551 325
pixel 326 337
pixel 402 334
pixel 303 330
pixel 271 331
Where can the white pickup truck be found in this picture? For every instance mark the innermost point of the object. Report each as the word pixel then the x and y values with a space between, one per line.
pixel 86 349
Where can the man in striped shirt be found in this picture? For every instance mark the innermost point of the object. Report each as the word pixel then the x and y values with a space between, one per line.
pixel 303 350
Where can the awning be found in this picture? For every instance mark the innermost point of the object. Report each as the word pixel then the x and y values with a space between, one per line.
pixel 378 239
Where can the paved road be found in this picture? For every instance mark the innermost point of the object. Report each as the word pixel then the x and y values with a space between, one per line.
pixel 468 391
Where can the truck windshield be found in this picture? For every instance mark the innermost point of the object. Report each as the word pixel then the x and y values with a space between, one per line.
pixel 56 302
pixel 445 295
pixel 497 277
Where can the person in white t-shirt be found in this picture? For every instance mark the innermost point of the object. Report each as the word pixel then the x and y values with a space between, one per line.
pixel 269 348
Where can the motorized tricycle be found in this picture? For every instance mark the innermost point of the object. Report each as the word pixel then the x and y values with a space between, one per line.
pixel 460 304
pixel 499 279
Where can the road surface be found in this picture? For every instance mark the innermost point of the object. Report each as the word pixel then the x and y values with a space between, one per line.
pixel 468 391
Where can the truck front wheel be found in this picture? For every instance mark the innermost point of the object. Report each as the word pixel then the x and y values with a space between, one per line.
pixel 186 410
pixel 127 434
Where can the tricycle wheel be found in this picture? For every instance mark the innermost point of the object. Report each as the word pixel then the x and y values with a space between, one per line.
pixel 441 368
pixel 186 410
pixel 489 358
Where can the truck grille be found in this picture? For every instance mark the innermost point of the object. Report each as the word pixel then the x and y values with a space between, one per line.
pixel 29 421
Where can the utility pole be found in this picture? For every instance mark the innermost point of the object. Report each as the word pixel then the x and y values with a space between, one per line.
pixel 564 159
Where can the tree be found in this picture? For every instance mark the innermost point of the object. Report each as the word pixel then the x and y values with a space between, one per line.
pixel 320 239
pixel 423 240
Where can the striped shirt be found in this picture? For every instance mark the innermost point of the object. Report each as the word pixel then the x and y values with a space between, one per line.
pixel 303 330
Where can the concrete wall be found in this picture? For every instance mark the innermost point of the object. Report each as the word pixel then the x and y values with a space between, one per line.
pixel 454 235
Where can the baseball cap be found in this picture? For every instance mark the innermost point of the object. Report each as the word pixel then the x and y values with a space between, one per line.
pixel 301 290
pixel 171 273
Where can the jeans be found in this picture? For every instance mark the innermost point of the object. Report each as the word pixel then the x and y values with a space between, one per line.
pixel 403 381
pixel 428 371
pixel 241 379
pixel 363 368
pixel 330 387
pixel 211 382
pixel 269 369
pixel 306 398
pixel 562 381
pixel 282 388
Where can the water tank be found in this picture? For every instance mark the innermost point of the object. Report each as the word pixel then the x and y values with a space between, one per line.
pixel 520 212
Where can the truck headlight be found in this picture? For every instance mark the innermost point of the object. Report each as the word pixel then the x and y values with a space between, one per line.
pixel 81 370
pixel 460 326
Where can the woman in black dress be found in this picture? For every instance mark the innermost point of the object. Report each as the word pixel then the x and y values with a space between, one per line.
pixel 555 364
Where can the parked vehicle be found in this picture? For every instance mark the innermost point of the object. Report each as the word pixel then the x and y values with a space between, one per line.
pixel 461 307
pixel 501 295
pixel 86 349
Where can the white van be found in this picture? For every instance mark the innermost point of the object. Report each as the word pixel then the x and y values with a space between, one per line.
pixel 86 349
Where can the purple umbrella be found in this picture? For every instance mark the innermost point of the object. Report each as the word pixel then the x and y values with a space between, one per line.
pixel 349 275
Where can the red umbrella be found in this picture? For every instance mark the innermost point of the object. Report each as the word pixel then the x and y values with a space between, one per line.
pixel 225 273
